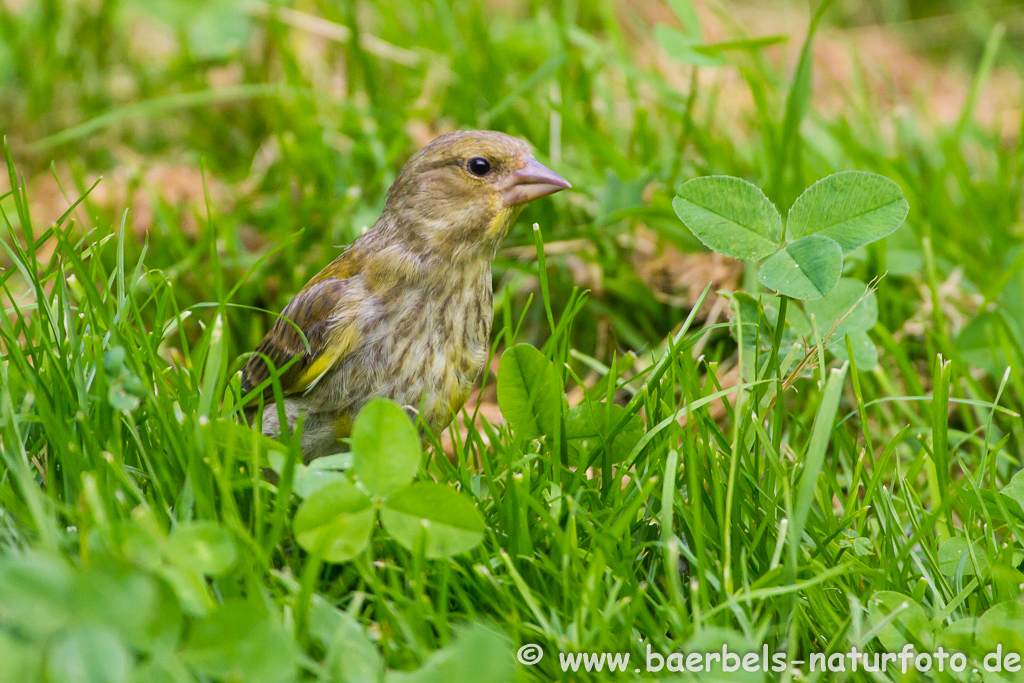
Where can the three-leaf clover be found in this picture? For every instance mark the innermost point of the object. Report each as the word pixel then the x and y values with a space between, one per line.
pixel 831 218
pixel 804 259
pixel 336 520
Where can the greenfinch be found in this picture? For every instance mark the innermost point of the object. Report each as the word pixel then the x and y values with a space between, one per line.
pixel 405 312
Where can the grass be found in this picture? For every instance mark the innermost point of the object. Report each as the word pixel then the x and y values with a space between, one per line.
pixel 866 507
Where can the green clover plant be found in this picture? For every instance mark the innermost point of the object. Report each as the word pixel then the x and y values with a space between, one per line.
pixel 337 517
pixel 802 259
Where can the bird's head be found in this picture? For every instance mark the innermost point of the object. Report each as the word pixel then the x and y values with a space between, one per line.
pixel 460 193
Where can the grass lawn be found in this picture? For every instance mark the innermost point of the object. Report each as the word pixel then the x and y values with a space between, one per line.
pixel 664 457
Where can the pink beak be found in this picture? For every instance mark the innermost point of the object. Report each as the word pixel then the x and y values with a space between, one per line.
pixel 533 181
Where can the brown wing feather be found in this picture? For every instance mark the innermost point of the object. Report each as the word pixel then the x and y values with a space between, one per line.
pixel 311 312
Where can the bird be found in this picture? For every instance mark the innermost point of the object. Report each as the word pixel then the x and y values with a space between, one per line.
pixel 404 313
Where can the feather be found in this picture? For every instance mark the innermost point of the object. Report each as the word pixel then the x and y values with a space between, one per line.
pixel 309 319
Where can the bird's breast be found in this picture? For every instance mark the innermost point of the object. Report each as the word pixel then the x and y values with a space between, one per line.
pixel 433 341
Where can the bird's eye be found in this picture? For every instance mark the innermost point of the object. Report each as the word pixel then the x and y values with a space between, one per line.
pixel 479 166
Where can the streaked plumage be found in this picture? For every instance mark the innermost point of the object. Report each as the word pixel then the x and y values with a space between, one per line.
pixel 405 312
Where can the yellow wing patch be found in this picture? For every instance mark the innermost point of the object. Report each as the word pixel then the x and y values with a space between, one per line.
pixel 311 334
pixel 337 347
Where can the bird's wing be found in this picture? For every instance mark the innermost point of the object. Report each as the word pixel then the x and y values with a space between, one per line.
pixel 330 339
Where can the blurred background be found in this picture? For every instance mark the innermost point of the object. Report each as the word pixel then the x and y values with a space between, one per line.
pixel 251 125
